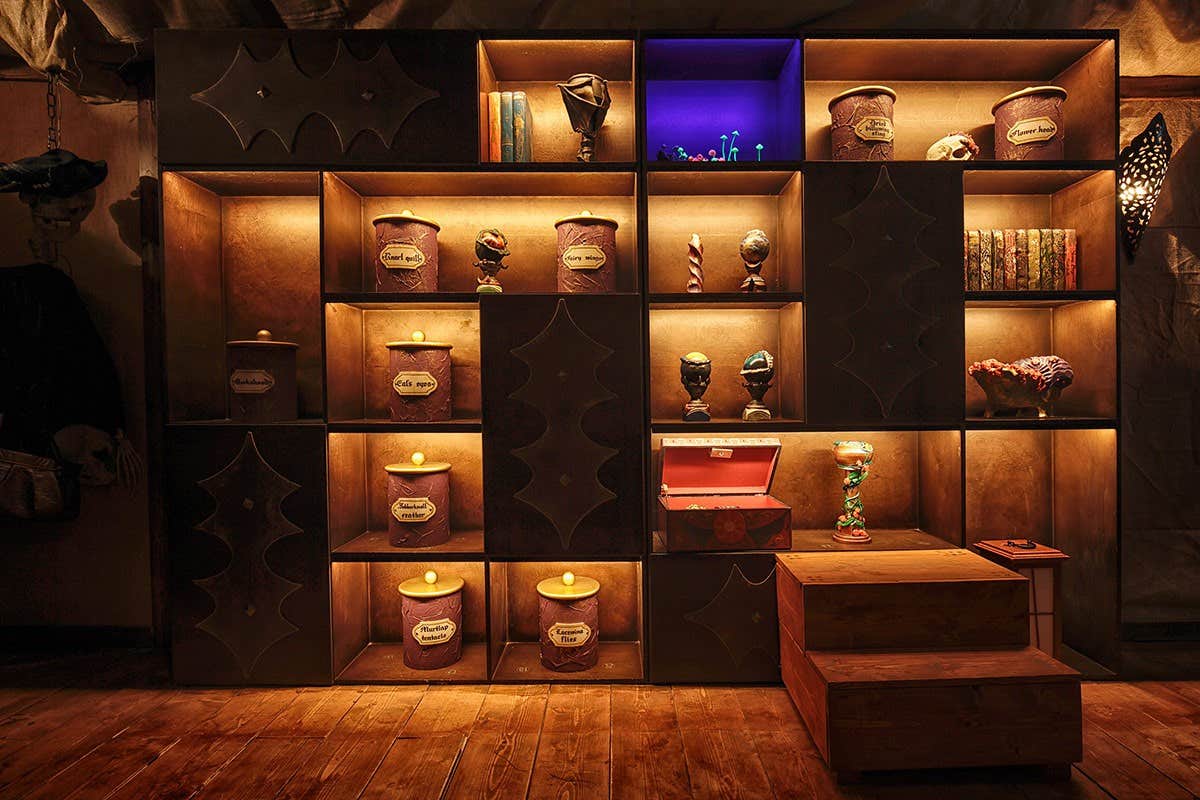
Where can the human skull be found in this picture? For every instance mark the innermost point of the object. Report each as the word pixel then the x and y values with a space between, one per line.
pixel 953 147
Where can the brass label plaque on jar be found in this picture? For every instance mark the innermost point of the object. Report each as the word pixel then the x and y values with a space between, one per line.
pixel 1034 129
pixel 874 129
pixel 401 255
pixel 434 631
pixel 583 256
pixel 569 634
pixel 414 384
pixel 413 509
pixel 251 381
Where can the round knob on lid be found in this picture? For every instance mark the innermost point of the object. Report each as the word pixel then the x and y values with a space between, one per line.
pixel 418 336
pixel 431 577
pixel 263 335
pixel 418 458
pixel 585 213
pixel 406 212
pixel 568 578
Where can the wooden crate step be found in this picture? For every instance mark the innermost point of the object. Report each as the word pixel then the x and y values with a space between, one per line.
pixel 871 600
pixel 936 709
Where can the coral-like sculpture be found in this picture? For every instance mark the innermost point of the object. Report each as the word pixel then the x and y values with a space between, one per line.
pixel 1032 382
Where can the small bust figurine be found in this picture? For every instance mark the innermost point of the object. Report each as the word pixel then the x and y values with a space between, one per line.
pixel 490 248
pixel 758 370
pixel 695 370
pixel 754 249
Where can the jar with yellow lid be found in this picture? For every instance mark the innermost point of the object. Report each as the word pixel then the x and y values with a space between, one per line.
pixel 419 380
pixel 406 254
pixel 431 613
pixel 587 253
pixel 262 379
pixel 418 495
pixel 569 622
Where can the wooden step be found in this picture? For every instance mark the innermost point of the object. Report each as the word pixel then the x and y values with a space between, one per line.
pixel 908 600
pixel 936 709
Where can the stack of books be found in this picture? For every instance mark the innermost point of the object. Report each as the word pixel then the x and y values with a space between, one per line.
pixel 1034 259
pixel 510 130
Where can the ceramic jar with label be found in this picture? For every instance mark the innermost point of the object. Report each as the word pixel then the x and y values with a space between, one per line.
pixel 418 495
pixel 419 380
pixel 1029 124
pixel 587 254
pixel 861 124
pixel 406 253
pixel 262 379
pixel 569 622
pixel 431 612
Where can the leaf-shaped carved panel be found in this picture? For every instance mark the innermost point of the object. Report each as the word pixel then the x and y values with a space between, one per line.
pixel 315 97
pixel 883 293
pixel 562 407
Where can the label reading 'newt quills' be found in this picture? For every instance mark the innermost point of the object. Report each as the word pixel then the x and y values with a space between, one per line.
pixel 400 255
pixel 413 510
pixel 1034 129
pixel 583 256
pixel 569 634
pixel 874 129
pixel 414 384
pixel 434 631
pixel 251 381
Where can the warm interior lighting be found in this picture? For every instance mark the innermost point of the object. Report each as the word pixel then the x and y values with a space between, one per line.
pixel 1143 167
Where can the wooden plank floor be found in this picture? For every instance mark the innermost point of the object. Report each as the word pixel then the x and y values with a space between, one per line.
pixel 109 725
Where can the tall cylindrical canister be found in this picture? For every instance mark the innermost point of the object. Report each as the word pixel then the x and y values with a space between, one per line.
pixel 406 257
pixel 1029 124
pixel 418 502
pixel 262 379
pixel 587 253
pixel 431 611
pixel 419 380
pixel 569 621
pixel 861 124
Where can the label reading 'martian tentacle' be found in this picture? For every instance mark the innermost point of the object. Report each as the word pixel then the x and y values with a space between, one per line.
pixel 434 631
pixel 569 634
pixel 401 255
pixel 874 129
pixel 414 384
pixel 251 381
pixel 413 509
pixel 583 256
pixel 1033 129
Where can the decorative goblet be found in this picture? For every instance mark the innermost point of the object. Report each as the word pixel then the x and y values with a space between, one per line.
pixel 695 370
pixel 758 369
pixel 490 248
pixel 854 458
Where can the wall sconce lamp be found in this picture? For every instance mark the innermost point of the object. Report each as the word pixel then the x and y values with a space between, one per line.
pixel 1143 166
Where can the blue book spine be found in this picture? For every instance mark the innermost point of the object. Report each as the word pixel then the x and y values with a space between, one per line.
pixel 521 143
pixel 506 126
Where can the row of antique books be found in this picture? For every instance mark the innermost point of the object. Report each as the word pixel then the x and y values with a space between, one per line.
pixel 1029 258
pixel 509 127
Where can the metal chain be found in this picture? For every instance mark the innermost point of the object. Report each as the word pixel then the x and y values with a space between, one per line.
pixel 53 134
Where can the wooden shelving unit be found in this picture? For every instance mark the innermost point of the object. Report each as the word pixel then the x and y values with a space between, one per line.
pixel 256 235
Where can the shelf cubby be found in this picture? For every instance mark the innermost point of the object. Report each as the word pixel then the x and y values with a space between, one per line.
pixel 368 630
pixel 912 495
pixel 949 85
pixel 722 207
pixel 514 620
pixel 1083 200
pixel 700 88
pixel 536 67
pixel 1083 333
pixel 358 506
pixel 727 334
pixel 358 375
pixel 524 205
pixel 241 252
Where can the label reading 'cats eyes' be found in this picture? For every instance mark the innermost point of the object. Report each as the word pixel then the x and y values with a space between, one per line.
pixel 414 384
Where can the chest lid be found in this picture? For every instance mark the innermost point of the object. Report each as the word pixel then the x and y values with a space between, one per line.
pixel 737 465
